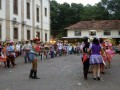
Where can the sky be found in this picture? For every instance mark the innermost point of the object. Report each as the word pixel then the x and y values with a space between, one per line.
pixel 84 2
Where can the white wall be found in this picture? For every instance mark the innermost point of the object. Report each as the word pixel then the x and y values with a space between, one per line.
pixel 3 22
pixel 46 20
pixel 70 33
pixel 18 19
pixel 2 10
pixel 12 31
pixel 37 5
pixel 48 35
pixel 12 15
pixel 99 34
pixel 115 34
pixel 84 33
pixel 28 21
pixel 25 32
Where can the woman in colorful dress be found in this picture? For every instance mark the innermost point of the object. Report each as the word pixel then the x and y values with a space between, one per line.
pixel 108 56
pixel 95 58
pixel 3 57
pixel 10 55
pixel 103 53
pixel 112 52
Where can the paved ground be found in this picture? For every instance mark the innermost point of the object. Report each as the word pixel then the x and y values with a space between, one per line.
pixel 60 73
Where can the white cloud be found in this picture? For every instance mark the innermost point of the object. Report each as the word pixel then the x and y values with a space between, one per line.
pixel 84 2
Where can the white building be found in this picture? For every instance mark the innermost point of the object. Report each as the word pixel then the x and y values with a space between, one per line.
pixel 24 20
pixel 106 29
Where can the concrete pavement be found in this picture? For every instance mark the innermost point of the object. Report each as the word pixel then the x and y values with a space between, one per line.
pixel 60 73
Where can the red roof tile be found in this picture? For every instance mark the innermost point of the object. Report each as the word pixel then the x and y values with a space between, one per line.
pixel 102 24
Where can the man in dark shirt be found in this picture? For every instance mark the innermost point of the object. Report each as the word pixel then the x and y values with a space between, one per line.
pixel 85 57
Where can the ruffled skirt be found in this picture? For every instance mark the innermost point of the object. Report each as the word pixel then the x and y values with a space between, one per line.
pixel 96 59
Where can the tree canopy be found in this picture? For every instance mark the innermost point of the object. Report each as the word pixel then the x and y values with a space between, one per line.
pixel 63 15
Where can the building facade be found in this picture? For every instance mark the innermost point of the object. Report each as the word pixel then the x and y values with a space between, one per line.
pixel 106 29
pixel 22 20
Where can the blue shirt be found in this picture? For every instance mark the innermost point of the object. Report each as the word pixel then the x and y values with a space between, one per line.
pixel 11 48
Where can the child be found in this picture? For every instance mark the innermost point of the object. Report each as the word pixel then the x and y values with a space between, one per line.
pixel 108 57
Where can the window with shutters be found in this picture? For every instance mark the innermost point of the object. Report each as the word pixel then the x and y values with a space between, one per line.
pixel 46 12
pixel 38 34
pixel 0 31
pixel 107 32
pixel 46 37
pixel 37 14
pixel 0 4
pixel 119 32
pixel 15 7
pixel 28 34
pixel 28 10
pixel 77 33
pixel 92 32
pixel 15 33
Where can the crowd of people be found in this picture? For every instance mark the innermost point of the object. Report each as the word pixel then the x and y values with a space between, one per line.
pixel 95 55
pixel 32 51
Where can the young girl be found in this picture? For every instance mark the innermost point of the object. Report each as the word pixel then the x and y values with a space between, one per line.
pixel 108 57
pixel 103 53
pixel 4 57
pixel 102 66
pixel 96 58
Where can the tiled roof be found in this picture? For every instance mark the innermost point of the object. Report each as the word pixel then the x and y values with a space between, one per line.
pixel 102 24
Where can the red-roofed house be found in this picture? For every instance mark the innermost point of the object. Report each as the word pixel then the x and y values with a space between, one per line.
pixel 99 29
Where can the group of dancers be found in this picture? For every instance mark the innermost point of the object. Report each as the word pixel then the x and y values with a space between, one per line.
pixel 96 56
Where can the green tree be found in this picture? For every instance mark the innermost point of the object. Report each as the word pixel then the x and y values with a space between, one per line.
pixel 63 15
pixel 113 6
pixel 100 12
pixel 96 12
pixel 88 13
pixel 54 7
